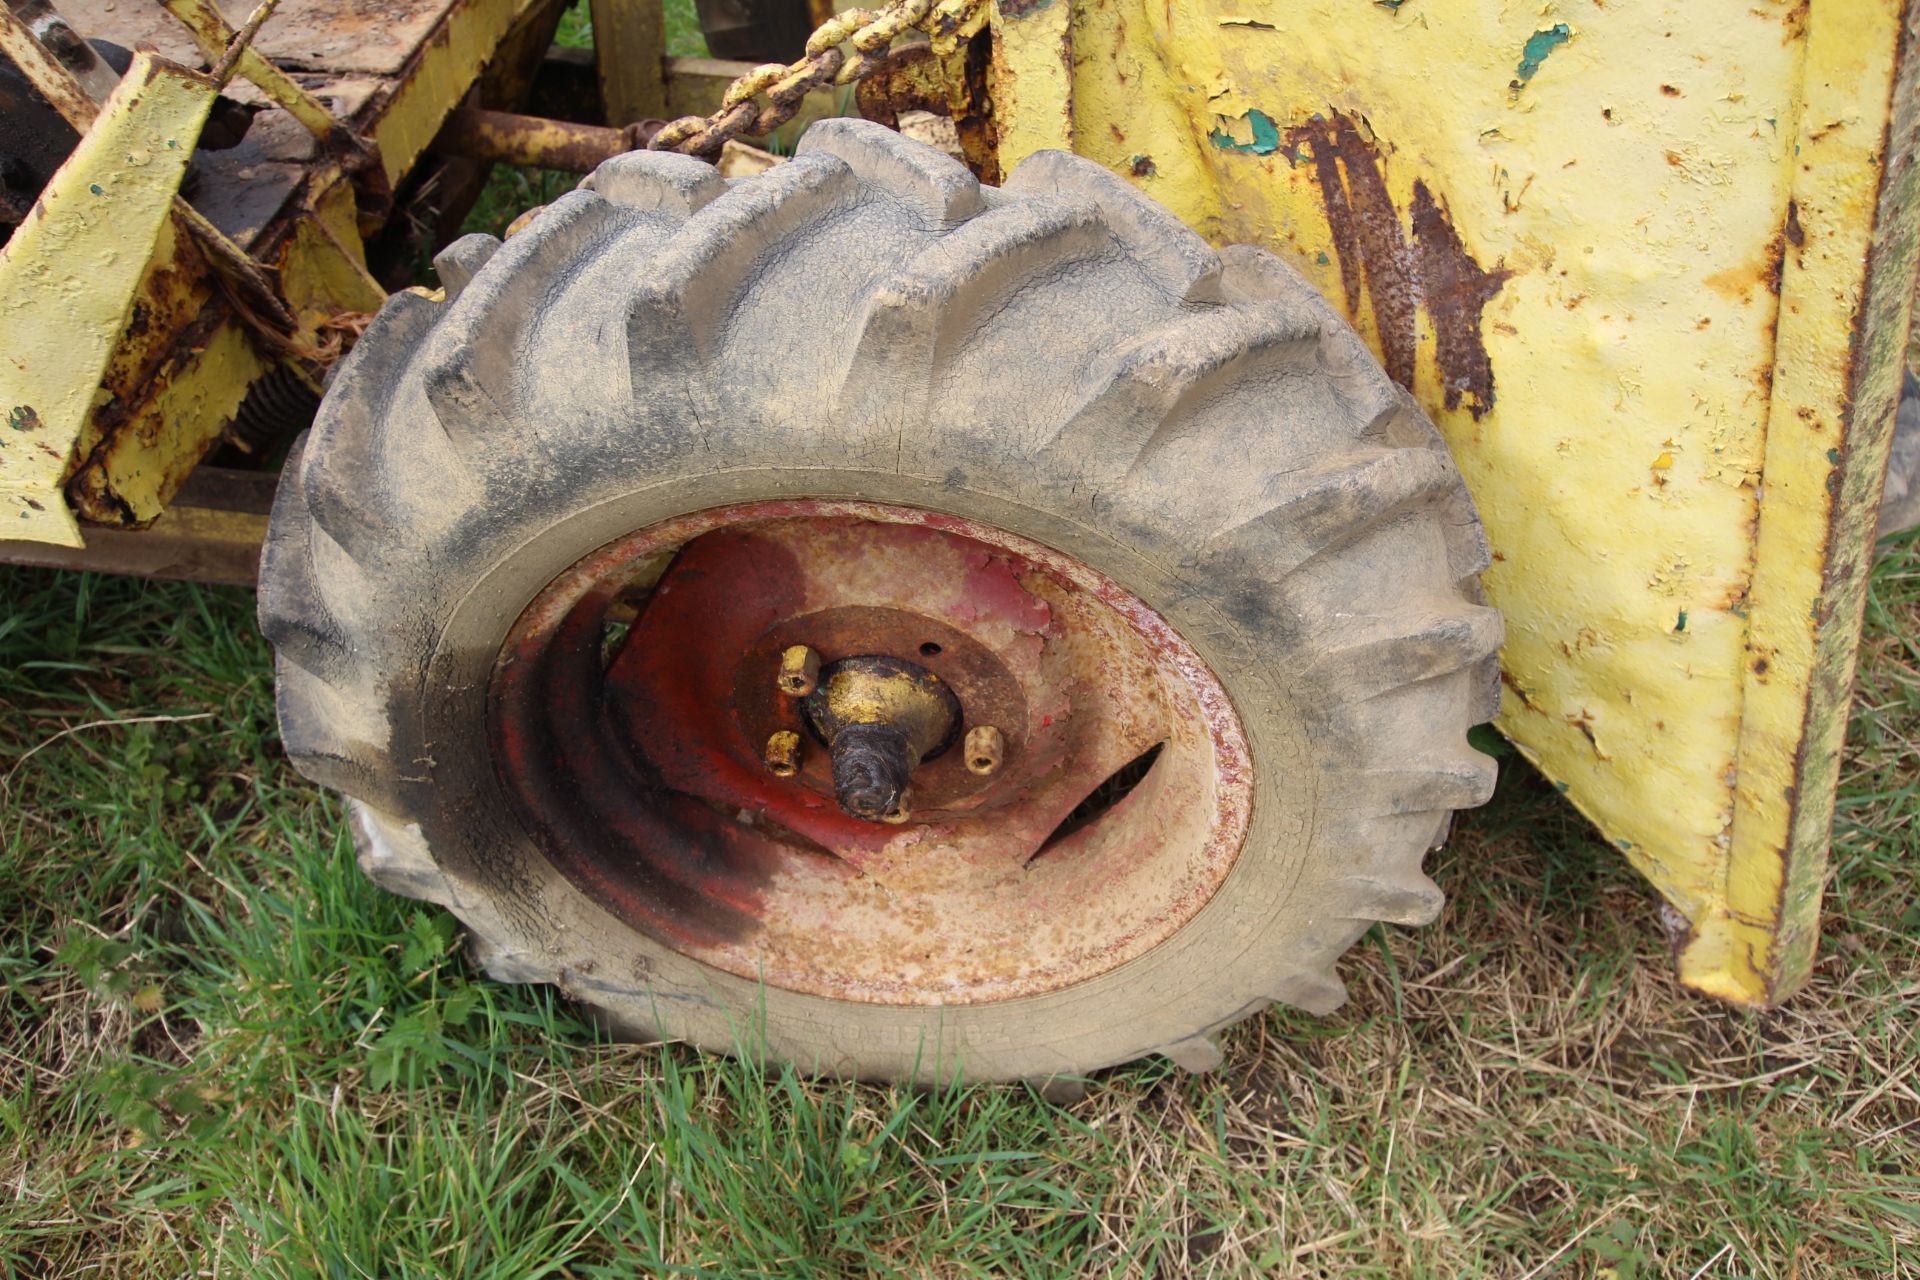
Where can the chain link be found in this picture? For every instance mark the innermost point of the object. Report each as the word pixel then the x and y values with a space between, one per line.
pixel 843 50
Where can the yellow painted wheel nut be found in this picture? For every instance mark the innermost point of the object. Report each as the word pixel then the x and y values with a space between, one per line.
pixel 799 671
pixel 984 747
pixel 783 754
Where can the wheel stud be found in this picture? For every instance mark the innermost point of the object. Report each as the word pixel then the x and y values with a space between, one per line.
pixel 783 754
pixel 871 763
pixel 799 671
pixel 984 748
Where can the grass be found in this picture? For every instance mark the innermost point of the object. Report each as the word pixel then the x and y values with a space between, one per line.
pixel 223 1052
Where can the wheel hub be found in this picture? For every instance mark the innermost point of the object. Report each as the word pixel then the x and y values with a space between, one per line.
pixel 879 718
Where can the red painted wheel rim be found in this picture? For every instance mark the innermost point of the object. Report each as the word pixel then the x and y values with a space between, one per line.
pixel 631 700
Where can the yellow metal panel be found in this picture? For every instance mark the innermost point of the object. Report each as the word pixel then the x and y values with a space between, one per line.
pixel 1563 225
pixel 181 352
pixel 67 279
pixel 323 268
pixel 450 60
pixel 197 391
pixel 193 393
pixel 1033 77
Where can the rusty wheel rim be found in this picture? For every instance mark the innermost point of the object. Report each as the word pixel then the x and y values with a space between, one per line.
pixel 633 703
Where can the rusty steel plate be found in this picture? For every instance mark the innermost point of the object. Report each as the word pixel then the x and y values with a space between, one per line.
pixel 633 700
pixel 365 37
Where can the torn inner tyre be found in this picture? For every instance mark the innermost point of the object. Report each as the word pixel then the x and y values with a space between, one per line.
pixel 647 777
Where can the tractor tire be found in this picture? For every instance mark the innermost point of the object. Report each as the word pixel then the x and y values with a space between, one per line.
pixel 1061 360
pixel 1900 495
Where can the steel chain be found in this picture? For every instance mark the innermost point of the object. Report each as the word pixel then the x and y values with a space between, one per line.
pixel 868 33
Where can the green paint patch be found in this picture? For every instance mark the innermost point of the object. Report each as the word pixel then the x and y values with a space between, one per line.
pixel 95 188
pixel 1681 624
pixel 1538 46
pixel 1263 136
pixel 1322 258
pixel 23 417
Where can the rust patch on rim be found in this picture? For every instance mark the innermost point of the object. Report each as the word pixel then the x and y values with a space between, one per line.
pixel 633 701
pixel 1402 268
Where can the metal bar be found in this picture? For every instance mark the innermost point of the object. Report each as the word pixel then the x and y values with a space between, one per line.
pixel 242 40
pixel 528 140
pixel 222 47
pixel 235 264
pixel 54 81
pixel 67 46
pixel 1846 287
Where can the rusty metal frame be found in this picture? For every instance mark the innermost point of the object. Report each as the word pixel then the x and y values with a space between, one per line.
pixel 208 315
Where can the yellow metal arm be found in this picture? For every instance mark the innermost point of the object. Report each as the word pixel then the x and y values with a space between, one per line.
pixel 67 281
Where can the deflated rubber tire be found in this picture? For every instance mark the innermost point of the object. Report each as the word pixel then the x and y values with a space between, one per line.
pixel 1060 358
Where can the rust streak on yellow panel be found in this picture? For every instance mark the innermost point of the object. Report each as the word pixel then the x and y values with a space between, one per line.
pixel 199 389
